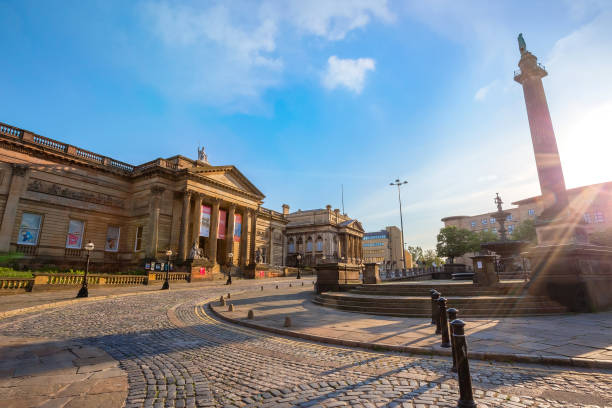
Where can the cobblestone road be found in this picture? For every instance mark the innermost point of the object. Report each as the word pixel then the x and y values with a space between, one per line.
pixel 177 355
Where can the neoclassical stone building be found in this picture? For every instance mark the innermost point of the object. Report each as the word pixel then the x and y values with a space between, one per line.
pixel 322 236
pixel 55 197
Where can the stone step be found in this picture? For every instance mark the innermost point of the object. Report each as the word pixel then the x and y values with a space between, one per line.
pixel 421 306
pixel 547 308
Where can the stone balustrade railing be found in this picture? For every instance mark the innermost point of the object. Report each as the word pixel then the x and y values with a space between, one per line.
pixel 24 135
pixel 17 283
pixel 173 276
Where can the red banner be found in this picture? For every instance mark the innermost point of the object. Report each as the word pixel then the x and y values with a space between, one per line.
pixel 222 224
pixel 237 227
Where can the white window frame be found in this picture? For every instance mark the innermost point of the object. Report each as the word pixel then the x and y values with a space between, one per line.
pixel 137 240
pixel 38 229
pixel 80 246
pixel 106 249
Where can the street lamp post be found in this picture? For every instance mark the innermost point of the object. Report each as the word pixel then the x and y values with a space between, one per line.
pixel 299 259
pixel 230 257
pixel 83 292
pixel 398 183
pixel 166 284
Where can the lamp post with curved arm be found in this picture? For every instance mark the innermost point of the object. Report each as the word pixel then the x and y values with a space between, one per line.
pixel 299 259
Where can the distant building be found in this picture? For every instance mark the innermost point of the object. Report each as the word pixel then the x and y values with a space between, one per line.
pixel 594 202
pixel 322 235
pixel 385 248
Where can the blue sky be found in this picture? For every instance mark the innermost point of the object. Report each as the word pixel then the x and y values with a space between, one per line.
pixel 305 96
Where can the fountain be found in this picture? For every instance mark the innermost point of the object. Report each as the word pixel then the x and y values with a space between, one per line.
pixel 504 248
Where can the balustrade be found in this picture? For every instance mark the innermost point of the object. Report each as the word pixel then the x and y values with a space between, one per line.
pixel 17 283
pixel 10 131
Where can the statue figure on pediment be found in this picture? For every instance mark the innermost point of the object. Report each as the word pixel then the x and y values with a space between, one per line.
pixel 202 156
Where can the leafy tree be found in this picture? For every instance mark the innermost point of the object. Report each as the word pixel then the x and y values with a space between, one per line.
pixel 416 252
pixel 525 231
pixel 430 257
pixel 454 242
pixel 602 238
pixel 483 236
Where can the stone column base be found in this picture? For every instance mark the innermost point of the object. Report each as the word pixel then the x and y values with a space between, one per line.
pixel 579 276
pixel 371 274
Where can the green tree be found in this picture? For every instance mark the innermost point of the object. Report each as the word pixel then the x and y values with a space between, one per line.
pixel 602 238
pixel 416 252
pixel 481 237
pixel 454 242
pixel 430 256
pixel 525 231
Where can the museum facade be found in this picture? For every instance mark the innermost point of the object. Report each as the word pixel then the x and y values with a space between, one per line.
pixel 55 198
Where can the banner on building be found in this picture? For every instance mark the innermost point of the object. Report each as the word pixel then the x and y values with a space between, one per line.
pixel 205 223
pixel 222 224
pixel 75 234
pixel 237 227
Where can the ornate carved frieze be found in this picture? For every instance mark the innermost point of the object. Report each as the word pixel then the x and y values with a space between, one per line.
pixel 60 191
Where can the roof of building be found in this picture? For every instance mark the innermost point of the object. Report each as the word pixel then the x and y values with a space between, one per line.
pixel 576 190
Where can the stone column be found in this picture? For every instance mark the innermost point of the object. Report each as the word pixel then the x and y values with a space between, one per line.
pixel 214 229
pixel 284 249
pixel 314 249
pixel 183 239
pixel 345 253
pixel 16 189
pixel 231 212
pixel 271 244
pixel 253 219
pixel 244 235
pixel 153 223
pixel 197 219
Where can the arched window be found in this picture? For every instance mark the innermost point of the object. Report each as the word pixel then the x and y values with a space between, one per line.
pixel 291 246
pixel 309 245
pixel 319 244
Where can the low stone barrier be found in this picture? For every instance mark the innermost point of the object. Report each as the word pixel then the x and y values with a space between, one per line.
pixel 8 283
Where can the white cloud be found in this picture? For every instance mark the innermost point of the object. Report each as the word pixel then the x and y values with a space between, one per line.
pixel 348 73
pixel 226 54
pixel 482 93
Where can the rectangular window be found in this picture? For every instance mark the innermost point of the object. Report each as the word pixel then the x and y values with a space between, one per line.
pixel 484 221
pixel 494 230
pixel 112 239
pixel 29 230
pixel 509 217
pixel 473 224
pixel 531 212
pixel 599 217
pixel 486 230
pixel 138 241
pixel 587 218
pixel 492 221
pixel 74 240
pixel 510 229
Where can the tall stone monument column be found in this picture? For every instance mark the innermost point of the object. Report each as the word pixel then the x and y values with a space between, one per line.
pixel 548 163
pixel 564 266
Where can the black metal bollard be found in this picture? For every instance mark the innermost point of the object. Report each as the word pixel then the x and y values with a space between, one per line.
pixel 443 323
pixel 434 306
pixel 466 397
pixel 452 315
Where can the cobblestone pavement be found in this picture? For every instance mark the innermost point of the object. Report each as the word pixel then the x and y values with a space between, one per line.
pixel 176 355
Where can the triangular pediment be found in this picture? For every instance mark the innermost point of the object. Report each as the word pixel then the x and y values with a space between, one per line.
pixel 228 176
pixel 354 224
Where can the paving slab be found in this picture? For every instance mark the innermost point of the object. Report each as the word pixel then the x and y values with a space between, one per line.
pixel 564 339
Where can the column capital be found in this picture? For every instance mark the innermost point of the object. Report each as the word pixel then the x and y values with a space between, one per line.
pixel 188 193
pixel 157 190
pixel 20 169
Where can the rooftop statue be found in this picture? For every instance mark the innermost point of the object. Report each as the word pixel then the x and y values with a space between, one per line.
pixel 522 45
pixel 202 155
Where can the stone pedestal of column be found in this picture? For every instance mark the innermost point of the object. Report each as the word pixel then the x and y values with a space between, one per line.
pixel 579 276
